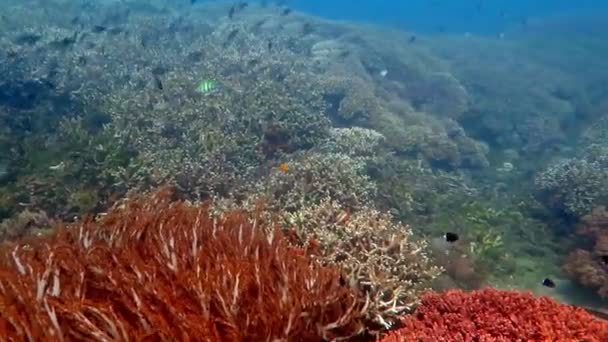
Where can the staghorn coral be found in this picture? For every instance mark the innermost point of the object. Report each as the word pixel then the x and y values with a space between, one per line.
pixel 491 315
pixel 587 266
pixel 356 142
pixel 168 271
pixel 314 176
pixel 379 256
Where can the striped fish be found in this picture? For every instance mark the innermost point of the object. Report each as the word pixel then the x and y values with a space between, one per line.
pixel 206 86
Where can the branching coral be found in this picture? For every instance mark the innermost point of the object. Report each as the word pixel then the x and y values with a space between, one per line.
pixel 314 176
pixel 588 266
pixel 379 256
pixel 355 142
pixel 576 185
pixel 491 315
pixel 167 271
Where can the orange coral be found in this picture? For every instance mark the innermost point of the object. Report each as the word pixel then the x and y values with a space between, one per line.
pixel 588 267
pixel 160 271
pixel 491 315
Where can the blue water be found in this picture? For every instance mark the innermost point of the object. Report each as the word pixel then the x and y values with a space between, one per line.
pixel 479 16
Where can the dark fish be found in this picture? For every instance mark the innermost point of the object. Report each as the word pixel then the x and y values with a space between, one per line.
pixel 286 11
pixel 412 39
pixel 234 9
pixel 158 83
pixel 451 237
pixel 192 2
pixel 549 283
pixel 27 39
pixel 604 259
pixel 269 46
pixel 344 54
pixel 342 281
pixel 98 29
pixel 259 24
pixel 232 35
pixel 307 29
pixel 82 60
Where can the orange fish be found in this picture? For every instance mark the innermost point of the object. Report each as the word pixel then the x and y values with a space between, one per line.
pixel 284 167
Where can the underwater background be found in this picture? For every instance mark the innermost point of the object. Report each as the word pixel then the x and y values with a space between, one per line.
pixel 480 128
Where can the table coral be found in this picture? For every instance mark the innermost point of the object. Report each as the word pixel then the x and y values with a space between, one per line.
pixel 492 315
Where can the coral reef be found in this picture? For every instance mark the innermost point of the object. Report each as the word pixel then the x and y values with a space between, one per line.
pixel 156 269
pixel 576 185
pixel 314 176
pixel 588 266
pixel 24 223
pixel 379 256
pixel 491 315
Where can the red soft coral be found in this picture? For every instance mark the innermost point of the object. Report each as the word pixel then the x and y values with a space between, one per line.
pixel 491 315
pixel 161 271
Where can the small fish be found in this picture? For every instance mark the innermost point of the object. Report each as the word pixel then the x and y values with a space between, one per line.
pixel 234 9
pixel 383 72
pixel 284 167
pixel 307 28
pixel 451 237
pixel 206 86
pixel 158 83
pixel 259 24
pixel 604 259
pixel 412 39
pixel 548 283
pixel 231 36
pixel 98 28
pixel 286 11
pixel 269 45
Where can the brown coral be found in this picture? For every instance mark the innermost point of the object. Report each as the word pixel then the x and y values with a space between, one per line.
pixel 163 271
pixel 587 266
pixel 379 256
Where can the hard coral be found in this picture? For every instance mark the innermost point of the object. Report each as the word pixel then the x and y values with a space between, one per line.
pixel 491 315
pixel 587 266
pixel 379 256
pixel 163 271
